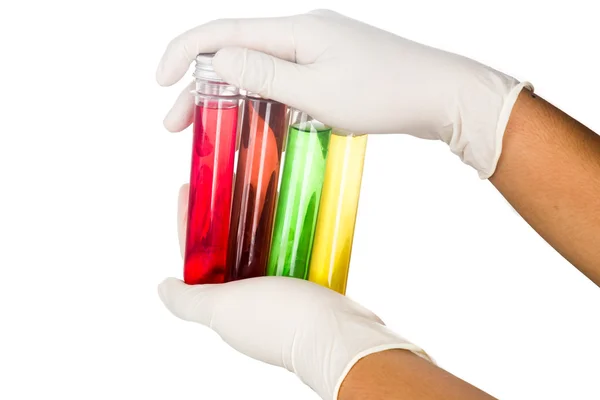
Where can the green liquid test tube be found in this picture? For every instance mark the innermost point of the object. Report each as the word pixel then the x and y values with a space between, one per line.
pixel 299 197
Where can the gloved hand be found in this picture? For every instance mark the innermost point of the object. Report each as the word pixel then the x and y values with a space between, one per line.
pixel 353 76
pixel 312 331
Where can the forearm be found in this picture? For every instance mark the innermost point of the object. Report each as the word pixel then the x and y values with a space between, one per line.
pixel 550 172
pixel 402 375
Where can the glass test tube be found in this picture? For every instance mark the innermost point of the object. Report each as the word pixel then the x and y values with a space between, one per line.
pixel 334 233
pixel 264 124
pixel 211 179
pixel 299 196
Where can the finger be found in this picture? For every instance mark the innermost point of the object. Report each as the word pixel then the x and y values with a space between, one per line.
pixel 269 76
pixel 270 35
pixel 181 114
pixel 189 302
pixel 182 213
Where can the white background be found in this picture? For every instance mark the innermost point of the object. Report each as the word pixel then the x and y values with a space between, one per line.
pixel 88 189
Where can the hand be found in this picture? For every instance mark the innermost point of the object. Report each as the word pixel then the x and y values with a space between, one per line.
pixel 308 329
pixel 353 76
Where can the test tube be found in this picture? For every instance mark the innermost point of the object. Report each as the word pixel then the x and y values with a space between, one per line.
pixel 211 178
pixel 263 131
pixel 330 259
pixel 299 196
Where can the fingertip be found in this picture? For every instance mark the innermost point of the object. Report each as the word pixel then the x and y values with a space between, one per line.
pixel 162 81
pixel 225 55
pixel 182 113
pixel 178 57
pixel 186 301
pixel 164 75
pixel 172 65
pixel 230 63
pixel 173 124
pixel 165 287
pixel 171 280
pixel 159 75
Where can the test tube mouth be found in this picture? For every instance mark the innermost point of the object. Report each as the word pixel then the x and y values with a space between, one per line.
pixel 345 132
pixel 254 95
pixel 304 121
pixel 204 69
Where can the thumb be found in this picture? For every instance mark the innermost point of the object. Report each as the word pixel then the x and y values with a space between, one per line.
pixel 193 303
pixel 270 77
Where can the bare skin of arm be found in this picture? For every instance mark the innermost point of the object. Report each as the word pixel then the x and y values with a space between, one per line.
pixel 402 375
pixel 549 171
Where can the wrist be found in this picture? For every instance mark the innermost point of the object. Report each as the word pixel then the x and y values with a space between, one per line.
pixel 389 343
pixel 482 113
pixel 374 369
pixel 502 124
pixel 477 107
pixel 324 358
pixel 396 374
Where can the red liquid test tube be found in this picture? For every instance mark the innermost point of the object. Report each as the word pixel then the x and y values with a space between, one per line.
pixel 264 125
pixel 211 179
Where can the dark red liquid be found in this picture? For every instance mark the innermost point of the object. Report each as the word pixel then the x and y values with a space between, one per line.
pixel 263 132
pixel 211 181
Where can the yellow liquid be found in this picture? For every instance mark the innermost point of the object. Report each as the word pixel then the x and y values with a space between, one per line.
pixel 330 259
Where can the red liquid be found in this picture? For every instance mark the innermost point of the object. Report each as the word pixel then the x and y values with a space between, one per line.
pixel 263 132
pixel 215 125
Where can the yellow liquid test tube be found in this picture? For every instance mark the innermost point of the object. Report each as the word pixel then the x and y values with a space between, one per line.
pixel 334 233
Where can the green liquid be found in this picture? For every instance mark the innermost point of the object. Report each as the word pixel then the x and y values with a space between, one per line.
pixel 299 198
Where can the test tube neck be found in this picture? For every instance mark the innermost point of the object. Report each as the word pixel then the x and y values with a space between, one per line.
pixel 208 82
pixel 212 88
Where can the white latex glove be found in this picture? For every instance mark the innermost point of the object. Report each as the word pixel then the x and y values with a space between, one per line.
pixel 353 76
pixel 312 331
